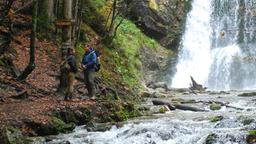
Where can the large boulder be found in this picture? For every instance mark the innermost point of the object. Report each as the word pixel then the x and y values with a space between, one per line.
pixel 10 135
pixel 162 20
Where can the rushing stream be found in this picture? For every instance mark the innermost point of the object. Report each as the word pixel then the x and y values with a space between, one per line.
pixel 179 127
pixel 217 49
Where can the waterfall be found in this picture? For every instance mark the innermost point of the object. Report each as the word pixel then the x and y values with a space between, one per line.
pixel 218 46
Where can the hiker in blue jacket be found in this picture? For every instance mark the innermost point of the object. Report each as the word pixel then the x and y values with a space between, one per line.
pixel 88 64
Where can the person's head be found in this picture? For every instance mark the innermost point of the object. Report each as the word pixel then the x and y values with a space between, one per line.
pixel 87 48
pixel 71 51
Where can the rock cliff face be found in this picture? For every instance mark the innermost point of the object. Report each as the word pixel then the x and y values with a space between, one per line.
pixel 162 20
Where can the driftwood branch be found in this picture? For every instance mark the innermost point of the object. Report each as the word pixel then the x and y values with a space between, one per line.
pixel 196 86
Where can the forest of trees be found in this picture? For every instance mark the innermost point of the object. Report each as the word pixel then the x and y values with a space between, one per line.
pixel 65 15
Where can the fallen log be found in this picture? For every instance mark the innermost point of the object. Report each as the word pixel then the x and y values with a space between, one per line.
pixel 177 106
pixel 189 108
pixel 158 102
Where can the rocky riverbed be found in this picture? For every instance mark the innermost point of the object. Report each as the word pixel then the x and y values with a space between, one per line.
pixel 228 117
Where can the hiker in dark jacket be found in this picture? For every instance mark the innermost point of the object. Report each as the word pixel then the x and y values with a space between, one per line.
pixel 71 68
pixel 88 65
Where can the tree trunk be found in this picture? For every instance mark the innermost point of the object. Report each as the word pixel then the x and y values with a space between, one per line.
pixel 111 27
pixel 74 29
pixel 50 11
pixel 66 43
pixel 31 66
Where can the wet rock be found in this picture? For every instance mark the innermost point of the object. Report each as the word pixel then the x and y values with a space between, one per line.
pixel 215 106
pixel 158 109
pixel 245 120
pixel 101 127
pixel 247 94
pixel 217 118
pixel 211 138
pixel 183 101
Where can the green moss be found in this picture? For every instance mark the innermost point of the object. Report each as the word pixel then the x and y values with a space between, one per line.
pixel 211 138
pixel 127 44
pixel 60 126
pixel 216 118
pixel 215 106
pixel 252 132
pixel 162 110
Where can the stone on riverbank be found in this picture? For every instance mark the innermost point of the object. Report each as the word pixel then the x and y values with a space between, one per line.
pixel 10 135
pixel 211 138
pixel 215 106
pixel 251 138
pixel 251 94
pixel 217 118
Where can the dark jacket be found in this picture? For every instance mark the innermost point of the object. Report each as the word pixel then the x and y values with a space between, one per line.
pixel 72 63
pixel 90 59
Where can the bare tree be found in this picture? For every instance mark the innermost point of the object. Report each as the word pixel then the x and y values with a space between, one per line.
pixel 31 66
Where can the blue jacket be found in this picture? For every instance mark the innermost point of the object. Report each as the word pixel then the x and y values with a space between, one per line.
pixel 90 59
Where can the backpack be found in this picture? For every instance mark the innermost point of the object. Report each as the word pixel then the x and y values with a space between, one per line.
pixel 97 65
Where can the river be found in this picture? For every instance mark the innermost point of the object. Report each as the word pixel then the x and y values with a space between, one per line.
pixel 179 126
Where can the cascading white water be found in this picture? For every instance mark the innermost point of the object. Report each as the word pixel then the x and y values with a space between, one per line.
pixel 194 58
pixel 217 47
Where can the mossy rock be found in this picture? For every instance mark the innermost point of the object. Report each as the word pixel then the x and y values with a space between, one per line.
pixel 247 121
pixel 10 135
pixel 217 118
pixel 251 94
pixel 215 106
pixel 251 138
pixel 163 109
pixel 54 127
pixel 100 127
pixel 79 116
pixel 211 138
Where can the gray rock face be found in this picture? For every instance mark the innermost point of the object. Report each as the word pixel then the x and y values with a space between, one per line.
pixel 162 20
